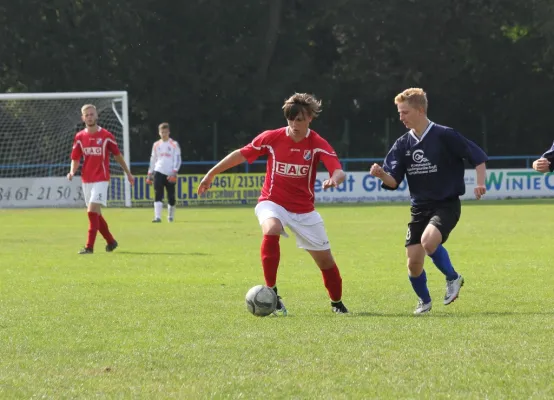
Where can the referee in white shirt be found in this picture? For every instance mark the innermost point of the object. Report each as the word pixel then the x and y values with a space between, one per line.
pixel 164 165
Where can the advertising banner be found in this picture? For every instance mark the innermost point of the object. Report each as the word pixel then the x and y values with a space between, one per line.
pixel 41 192
pixel 226 189
pixel 360 187
pixel 244 188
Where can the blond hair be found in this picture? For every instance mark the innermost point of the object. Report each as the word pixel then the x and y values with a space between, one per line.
pixel 301 103
pixel 415 97
pixel 163 125
pixel 86 107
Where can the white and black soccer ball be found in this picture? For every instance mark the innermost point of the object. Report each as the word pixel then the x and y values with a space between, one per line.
pixel 261 300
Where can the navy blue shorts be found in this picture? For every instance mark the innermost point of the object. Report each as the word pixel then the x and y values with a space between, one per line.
pixel 444 216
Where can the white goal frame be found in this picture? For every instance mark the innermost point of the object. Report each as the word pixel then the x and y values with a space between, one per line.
pixel 117 96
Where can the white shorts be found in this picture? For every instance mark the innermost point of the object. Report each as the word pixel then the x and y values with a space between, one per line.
pixel 308 228
pixel 96 192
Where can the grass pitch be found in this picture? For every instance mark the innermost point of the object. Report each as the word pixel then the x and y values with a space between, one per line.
pixel 164 315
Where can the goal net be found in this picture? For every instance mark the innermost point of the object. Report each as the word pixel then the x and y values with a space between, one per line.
pixel 36 138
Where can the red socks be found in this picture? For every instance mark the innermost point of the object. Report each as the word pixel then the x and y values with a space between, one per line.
pixel 93 219
pixel 270 254
pixel 333 282
pixel 97 223
pixel 104 230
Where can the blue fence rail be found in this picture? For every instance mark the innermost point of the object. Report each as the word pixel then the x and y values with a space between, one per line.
pixel 528 160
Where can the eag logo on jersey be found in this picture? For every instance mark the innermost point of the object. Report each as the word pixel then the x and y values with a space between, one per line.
pixel 291 170
pixel 92 151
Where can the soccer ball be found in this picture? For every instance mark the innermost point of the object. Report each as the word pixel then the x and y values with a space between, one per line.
pixel 261 300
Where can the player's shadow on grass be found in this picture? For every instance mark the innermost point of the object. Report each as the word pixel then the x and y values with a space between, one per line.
pixel 454 314
pixel 162 253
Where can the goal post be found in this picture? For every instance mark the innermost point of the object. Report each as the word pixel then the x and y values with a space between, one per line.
pixel 36 137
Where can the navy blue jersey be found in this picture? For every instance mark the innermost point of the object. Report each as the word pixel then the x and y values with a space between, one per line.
pixel 433 165
pixel 549 155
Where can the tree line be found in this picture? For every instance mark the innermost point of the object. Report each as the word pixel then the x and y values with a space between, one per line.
pixel 219 71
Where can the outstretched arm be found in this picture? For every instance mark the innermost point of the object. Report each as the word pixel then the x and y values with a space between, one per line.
pixel 335 180
pixel 541 165
pixel 231 160
pixel 544 164
pixel 388 180
pixel 393 170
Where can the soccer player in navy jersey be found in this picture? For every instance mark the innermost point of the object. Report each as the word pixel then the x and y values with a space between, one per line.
pixel 431 156
pixel 287 197
pixel 544 164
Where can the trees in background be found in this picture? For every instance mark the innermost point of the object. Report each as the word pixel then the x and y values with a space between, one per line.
pixel 220 70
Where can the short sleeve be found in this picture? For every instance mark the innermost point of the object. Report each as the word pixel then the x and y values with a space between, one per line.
pixel 112 145
pixel 77 150
pixel 256 148
pixel 394 164
pixel 464 148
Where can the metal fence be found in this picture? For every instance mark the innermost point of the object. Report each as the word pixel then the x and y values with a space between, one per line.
pixel 349 164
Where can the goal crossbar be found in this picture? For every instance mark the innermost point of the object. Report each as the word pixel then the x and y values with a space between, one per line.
pixel 62 95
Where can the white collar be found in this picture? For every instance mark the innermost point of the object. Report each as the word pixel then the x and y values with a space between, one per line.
pixel 287 131
pixel 99 128
pixel 424 133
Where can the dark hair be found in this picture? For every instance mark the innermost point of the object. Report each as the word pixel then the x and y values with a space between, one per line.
pixel 301 103
pixel 163 125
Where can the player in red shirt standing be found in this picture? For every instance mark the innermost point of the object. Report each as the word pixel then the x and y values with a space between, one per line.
pixel 95 144
pixel 287 196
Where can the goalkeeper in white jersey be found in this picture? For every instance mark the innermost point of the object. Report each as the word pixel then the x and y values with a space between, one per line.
pixel 164 165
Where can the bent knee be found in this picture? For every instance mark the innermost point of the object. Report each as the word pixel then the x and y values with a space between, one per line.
pixel 272 226
pixel 415 267
pixel 429 246
pixel 431 239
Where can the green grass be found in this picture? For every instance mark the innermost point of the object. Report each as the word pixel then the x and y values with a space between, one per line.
pixel 164 315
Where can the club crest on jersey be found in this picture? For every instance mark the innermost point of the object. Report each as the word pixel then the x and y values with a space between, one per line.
pixel 419 157
pixel 98 141
pixel 307 155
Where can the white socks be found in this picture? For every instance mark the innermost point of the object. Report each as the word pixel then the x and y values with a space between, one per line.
pixel 158 205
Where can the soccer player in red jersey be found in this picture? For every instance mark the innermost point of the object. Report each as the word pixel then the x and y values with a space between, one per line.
pixel 95 144
pixel 287 196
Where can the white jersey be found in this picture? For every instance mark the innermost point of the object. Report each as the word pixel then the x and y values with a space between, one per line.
pixel 165 158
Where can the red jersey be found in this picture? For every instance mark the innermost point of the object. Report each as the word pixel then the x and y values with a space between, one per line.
pixel 95 148
pixel 291 167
